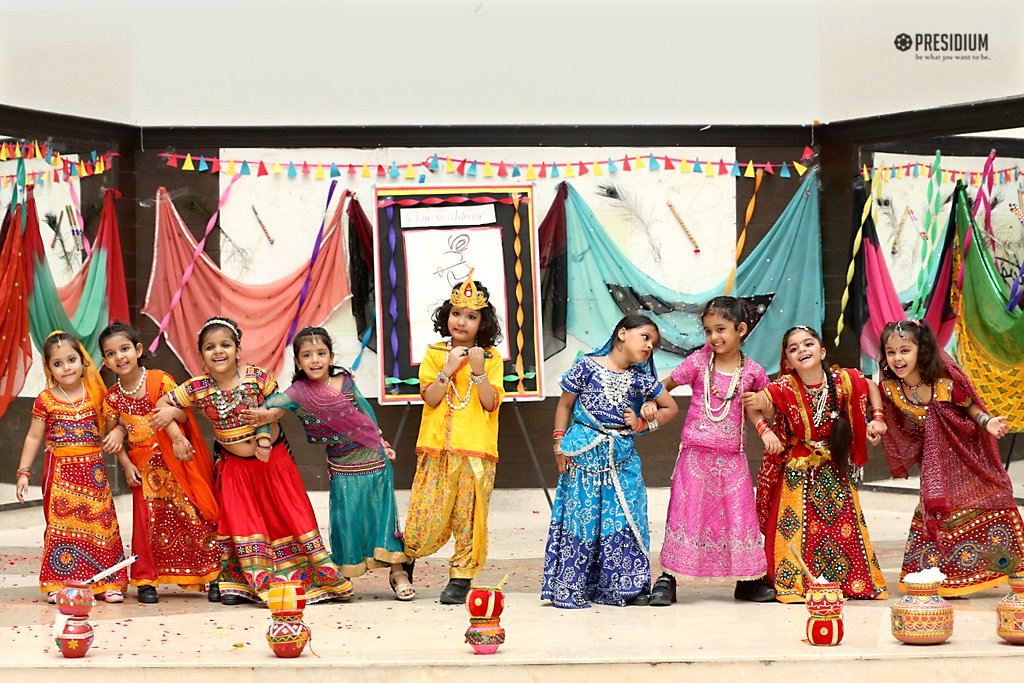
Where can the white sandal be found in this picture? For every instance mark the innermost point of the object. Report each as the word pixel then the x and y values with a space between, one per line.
pixel 403 588
pixel 114 596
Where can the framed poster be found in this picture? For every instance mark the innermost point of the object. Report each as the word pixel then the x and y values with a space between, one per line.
pixel 428 239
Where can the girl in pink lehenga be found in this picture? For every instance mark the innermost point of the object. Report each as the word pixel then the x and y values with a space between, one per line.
pixel 712 530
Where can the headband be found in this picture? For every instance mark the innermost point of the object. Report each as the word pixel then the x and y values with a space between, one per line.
pixel 223 322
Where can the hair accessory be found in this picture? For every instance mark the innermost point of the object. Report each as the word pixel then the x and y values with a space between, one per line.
pixel 468 296
pixel 220 321
pixel 899 330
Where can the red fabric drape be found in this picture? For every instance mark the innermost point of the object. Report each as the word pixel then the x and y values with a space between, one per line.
pixel 263 311
pixel 15 347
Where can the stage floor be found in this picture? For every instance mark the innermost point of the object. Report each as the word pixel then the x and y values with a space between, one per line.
pixel 376 638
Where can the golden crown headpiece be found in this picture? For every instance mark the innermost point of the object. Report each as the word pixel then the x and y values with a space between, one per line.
pixel 466 295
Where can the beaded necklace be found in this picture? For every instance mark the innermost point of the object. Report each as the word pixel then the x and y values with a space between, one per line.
pixel 819 396
pixel 131 392
pixel 221 404
pixel 720 413
pixel 913 396
pixel 463 400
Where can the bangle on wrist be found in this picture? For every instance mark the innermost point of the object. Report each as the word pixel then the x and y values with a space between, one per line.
pixel 982 418
pixel 477 379
pixel 652 425
pixel 25 472
pixel 558 434
pixel 442 379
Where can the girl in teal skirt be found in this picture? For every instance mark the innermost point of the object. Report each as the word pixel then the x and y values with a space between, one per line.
pixel 364 518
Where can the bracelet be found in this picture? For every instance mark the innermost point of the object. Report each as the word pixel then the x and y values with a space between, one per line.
pixel 558 434
pixel 477 379
pixel 762 427
pixel 652 425
pixel 982 419
pixel 442 379
pixel 984 423
pixel 878 414
pixel 25 472
pixel 386 443
pixel 641 425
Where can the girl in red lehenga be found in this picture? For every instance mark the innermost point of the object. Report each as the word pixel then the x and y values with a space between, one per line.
pixel 174 533
pixel 806 501
pixel 937 421
pixel 267 529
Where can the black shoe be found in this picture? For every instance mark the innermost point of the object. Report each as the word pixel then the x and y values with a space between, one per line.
pixel 642 600
pixel 409 567
pixel 455 592
pixel 232 600
pixel 754 591
pixel 213 592
pixel 148 595
pixel 664 592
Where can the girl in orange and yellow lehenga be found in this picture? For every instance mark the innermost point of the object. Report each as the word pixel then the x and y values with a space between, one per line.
pixel 82 537
pixel 174 532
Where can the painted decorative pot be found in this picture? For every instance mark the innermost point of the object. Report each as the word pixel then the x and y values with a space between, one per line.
pixel 921 617
pixel 75 599
pixel 1011 613
pixel 286 596
pixel 485 635
pixel 824 603
pixel 485 602
pixel 287 635
pixel 75 638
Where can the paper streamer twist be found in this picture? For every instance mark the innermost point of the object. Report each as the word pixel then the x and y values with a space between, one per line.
pixel 743 233
pixel 518 247
pixel 304 294
pixel 876 186
pixel 393 277
pixel 187 275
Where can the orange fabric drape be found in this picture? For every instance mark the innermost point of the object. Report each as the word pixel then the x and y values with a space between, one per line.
pixel 195 477
pixel 15 347
pixel 264 312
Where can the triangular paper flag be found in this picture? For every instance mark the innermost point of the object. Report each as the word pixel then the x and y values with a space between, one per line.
pixel 749 172
pixel 612 168
pixel 305 168
pixel 554 170
pixel 669 166
pixel 203 166
pixel 172 160
pixel 74 171
pixel 696 166
pixel 625 164
pixel 800 168
pixel 319 174
pixel 654 165
pixel 597 168
pixel 709 170
pixel 461 170
pixel 684 166
pixel 3 152
pixel 291 170
pixel 582 169
pixel 488 171
pixel 85 169
pixel 502 170
pixel 449 167
pixel 335 172
pixel 92 156
pixel 39 155
pixel 381 171
pixel 277 168
pixel 808 153
pixel 640 163
pixel 215 165
pixel 393 171
pixel 515 171
pixel 784 171
pixel 899 172
pixel 569 172
pixel 472 169
pixel 531 174
pixel 188 165
pixel 55 160
pixel 231 168
pixel 917 170
pixel 722 168
pixel 864 172
pixel 261 170
pixel 56 176
pixel 17 151
pixel 433 167
pixel 735 169
pixel 365 171
pixel 101 167
pixel 768 168
pixel 410 174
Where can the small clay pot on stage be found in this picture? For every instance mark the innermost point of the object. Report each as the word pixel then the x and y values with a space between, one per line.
pixel 824 603
pixel 287 634
pixel 75 638
pixel 75 599
pixel 286 596
pixel 922 617
pixel 485 635
pixel 1010 611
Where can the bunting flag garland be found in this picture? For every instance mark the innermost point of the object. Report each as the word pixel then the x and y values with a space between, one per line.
pixel 472 168
pixel 15 348
pixel 62 169
pixel 95 297
pixel 781 279
pixel 990 339
pixel 186 288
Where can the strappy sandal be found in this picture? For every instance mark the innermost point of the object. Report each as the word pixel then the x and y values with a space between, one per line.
pixel 113 597
pixel 403 589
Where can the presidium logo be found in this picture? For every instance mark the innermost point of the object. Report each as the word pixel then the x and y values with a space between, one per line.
pixel 944 46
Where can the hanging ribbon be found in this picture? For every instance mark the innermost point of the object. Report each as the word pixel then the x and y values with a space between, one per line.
pixel 185 276
pixel 743 233
pixel 929 245
pixel 518 247
pixel 393 278
pixel 312 259
pixel 969 238
pixel 876 186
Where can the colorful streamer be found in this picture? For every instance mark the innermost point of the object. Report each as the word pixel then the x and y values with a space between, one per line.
pixel 743 233
pixel 312 259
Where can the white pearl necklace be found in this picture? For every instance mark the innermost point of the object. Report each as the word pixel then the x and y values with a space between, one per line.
pixel 721 412
pixel 77 405
pixel 463 400
pixel 131 392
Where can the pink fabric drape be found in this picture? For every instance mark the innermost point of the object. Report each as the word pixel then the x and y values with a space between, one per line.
pixel 263 311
